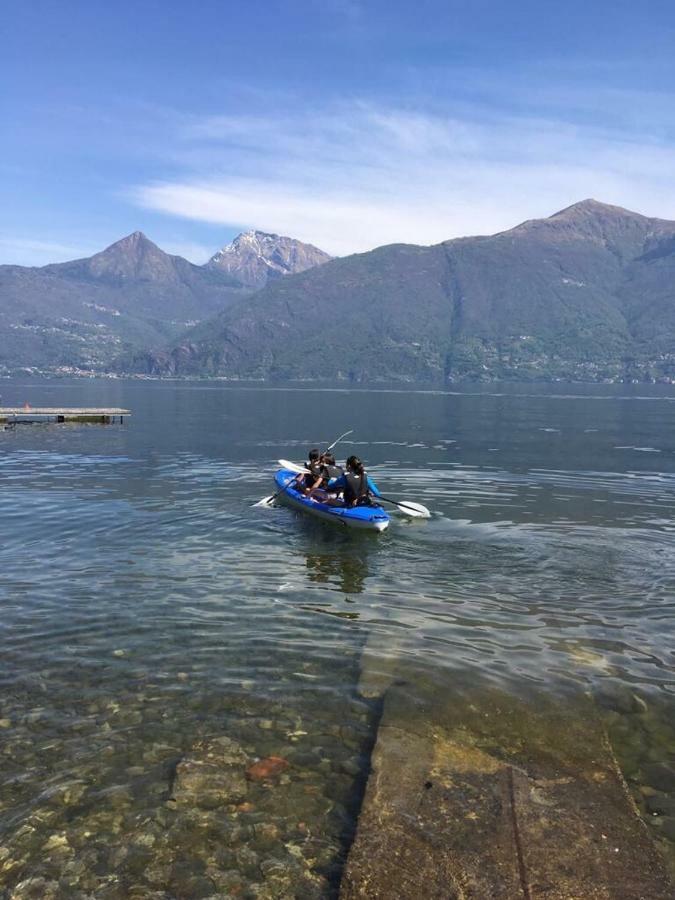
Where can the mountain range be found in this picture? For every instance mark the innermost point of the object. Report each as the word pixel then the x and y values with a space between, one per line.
pixel 587 294
pixel 132 296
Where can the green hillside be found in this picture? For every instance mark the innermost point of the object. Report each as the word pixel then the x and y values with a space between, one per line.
pixel 88 312
pixel 587 294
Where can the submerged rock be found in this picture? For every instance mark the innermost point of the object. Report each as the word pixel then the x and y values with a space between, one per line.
pixel 661 776
pixel 305 759
pixel 212 775
pixel 352 766
pixel 484 795
pixel 661 805
pixel 668 828
pixel 269 767
pixel 619 698
pixel 35 889
pixel 57 842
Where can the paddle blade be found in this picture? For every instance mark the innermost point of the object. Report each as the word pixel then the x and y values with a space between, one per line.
pixel 414 510
pixel 409 508
pixel 266 501
pixel 293 467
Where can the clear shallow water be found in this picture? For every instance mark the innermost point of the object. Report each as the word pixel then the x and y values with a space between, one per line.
pixel 148 607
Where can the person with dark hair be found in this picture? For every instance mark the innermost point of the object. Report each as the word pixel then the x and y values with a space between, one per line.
pixel 312 480
pixel 329 469
pixel 355 485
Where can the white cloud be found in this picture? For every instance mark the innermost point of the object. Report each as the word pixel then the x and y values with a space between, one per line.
pixel 358 176
pixel 335 222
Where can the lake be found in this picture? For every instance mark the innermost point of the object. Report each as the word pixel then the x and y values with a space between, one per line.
pixel 150 609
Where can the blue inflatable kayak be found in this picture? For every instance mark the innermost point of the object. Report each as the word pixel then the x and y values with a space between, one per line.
pixel 367 518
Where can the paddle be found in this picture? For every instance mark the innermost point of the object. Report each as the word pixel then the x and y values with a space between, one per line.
pixel 338 440
pixel 269 501
pixel 414 510
pixel 293 467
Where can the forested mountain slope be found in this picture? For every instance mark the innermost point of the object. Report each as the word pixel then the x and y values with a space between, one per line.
pixel 588 294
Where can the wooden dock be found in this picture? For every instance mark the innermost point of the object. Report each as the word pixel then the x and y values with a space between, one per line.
pixel 14 415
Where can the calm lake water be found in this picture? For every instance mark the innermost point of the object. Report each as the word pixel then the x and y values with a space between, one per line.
pixel 149 608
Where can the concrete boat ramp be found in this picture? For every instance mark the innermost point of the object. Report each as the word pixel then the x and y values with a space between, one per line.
pixel 15 415
pixel 476 794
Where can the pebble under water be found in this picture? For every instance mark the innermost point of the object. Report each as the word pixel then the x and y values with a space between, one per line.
pixel 180 713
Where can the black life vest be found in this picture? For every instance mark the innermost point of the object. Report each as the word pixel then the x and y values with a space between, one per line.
pixel 315 472
pixel 356 489
pixel 329 472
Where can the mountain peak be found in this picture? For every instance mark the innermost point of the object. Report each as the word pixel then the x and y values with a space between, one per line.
pixel 135 240
pixel 256 234
pixel 133 257
pixel 626 232
pixel 254 257
pixel 591 207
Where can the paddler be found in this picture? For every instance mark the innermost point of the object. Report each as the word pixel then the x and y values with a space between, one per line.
pixel 329 470
pixel 314 478
pixel 355 484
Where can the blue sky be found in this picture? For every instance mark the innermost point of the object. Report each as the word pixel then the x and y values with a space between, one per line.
pixel 345 123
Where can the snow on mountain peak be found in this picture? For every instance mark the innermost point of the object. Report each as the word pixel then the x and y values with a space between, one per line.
pixel 256 256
